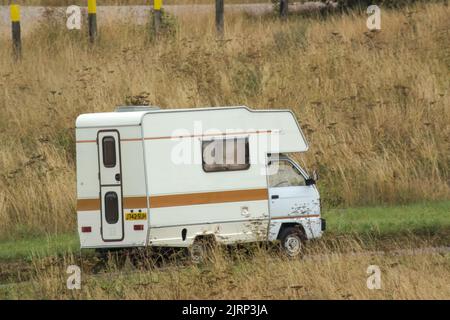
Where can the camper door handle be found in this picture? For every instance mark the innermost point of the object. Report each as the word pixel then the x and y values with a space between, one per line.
pixel 117 177
pixel 275 196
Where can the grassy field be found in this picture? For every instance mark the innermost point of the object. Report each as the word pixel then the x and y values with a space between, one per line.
pixel 426 218
pixel 331 270
pixel 363 3
pixel 119 2
pixel 375 107
pixel 373 226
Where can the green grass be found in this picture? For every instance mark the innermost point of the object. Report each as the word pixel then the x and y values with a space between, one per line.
pixel 420 218
pixel 39 246
pixel 431 218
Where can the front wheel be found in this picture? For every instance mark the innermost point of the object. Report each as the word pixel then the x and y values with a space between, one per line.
pixel 292 241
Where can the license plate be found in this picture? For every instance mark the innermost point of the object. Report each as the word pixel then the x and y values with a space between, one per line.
pixel 136 216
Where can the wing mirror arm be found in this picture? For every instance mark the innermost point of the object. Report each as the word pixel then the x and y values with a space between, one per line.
pixel 315 175
pixel 312 180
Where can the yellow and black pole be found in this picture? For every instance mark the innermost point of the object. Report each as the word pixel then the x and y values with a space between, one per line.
pixel 92 19
pixel 219 17
pixel 284 7
pixel 15 25
pixel 157 4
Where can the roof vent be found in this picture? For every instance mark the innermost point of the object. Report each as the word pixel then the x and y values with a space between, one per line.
pixel 136 108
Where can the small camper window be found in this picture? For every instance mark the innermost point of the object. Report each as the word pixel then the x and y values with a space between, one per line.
pixel 111 207
pixel 226 154
pixel 109 152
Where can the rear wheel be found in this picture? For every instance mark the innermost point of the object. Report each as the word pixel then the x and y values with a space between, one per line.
pixel 292 241
pixel 201 250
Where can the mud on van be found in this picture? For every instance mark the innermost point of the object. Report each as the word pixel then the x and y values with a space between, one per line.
pixel 173 177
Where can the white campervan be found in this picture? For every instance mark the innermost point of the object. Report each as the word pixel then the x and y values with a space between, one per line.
pixel 175 177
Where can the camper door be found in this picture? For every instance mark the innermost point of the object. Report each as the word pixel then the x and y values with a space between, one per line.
pixel 110 178
pixel 290 196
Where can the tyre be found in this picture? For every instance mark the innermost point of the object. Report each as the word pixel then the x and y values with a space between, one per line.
pixel 292 241
pixel 201 250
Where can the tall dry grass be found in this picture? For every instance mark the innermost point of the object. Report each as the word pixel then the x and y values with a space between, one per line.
pixel 334 271
pixel 66 3
pixel 375 107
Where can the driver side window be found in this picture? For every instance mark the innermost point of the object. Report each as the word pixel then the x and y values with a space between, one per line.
pixel 286 176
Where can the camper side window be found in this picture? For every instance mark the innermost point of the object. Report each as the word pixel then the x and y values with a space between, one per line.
pixel 284 174
pixel 109 152
pixel 226 154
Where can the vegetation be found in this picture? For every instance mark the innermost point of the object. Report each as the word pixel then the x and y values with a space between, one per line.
pixel 343 3
pixel 374 106
pixel 115 2
pixel 335 270
pixel 374 227
pixel 422 218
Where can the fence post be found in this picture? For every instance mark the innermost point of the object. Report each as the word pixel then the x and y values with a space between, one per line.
pixel 157 15
pixel 15 26
pixel 219 17
pixel 284 8
pixel 92 19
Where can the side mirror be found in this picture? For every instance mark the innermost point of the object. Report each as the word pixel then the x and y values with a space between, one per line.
pixel 310 181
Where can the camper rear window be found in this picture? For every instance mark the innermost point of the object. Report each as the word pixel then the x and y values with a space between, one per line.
pixel 109 152
pixel 225 154
pixel 111 207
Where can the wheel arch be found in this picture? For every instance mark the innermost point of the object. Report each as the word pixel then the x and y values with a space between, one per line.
pixel 207 237
pixel 286 225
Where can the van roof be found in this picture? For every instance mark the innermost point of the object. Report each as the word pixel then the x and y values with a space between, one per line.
pixel 134 118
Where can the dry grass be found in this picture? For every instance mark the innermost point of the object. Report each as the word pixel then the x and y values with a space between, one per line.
pixel 65 3
pixel 375 107
pixel 334 271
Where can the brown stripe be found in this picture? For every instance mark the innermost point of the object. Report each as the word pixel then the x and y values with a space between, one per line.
pixel 88 204
pixel 190 199
pixel 187 136
pixel 94 204
pixel 293 217
pixel 134 202
pixel 177 200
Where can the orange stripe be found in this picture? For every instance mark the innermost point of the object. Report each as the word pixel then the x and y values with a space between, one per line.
pixel 88 204
pixel 187 136
pixel 293 217
pixel 191 199
pixel 178 200
pixel 134 202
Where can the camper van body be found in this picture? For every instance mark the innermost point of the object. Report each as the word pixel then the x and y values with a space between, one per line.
pixel 142 180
